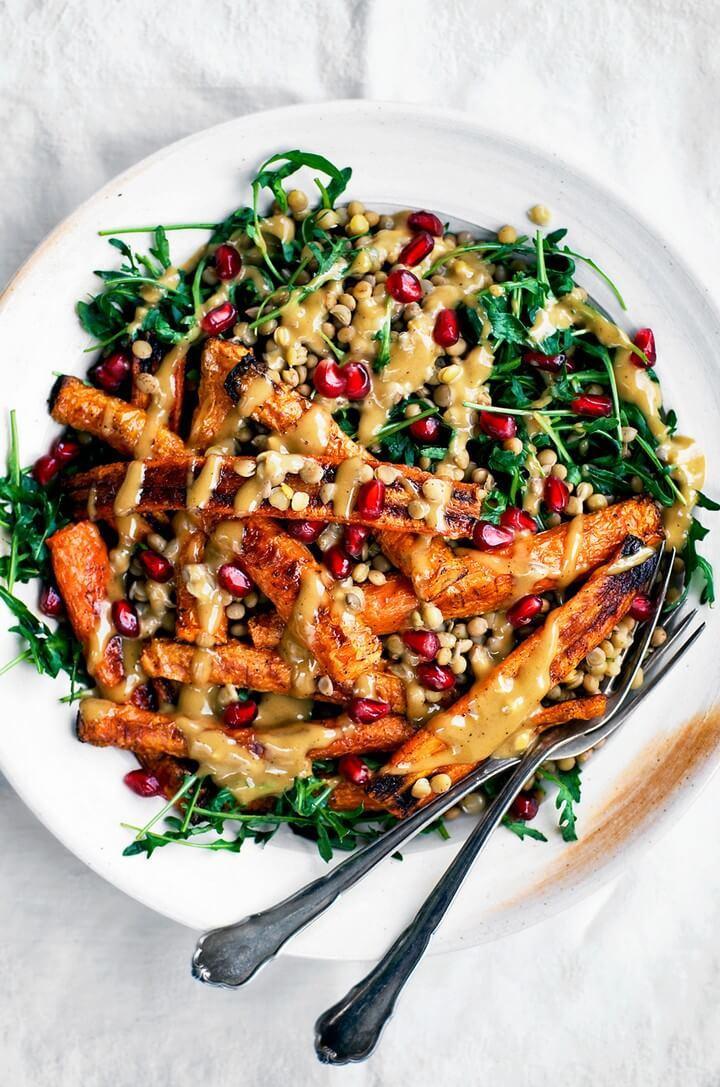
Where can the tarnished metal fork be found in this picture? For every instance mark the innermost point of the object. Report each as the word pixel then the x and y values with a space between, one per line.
pixel 350 1030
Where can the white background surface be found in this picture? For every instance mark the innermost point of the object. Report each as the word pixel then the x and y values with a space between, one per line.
pixel 621 990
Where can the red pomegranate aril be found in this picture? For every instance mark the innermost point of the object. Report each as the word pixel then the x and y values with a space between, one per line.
pixel 354 769
pixel 125 619
pixel 111 372
pixel 524 610
pixel 364 711
pixel 370 500
pixel 435 677
pixel 65 450
pixel 228 262
pixel 329 379
pixel 51 602
pixel 551 364
pixel 240 714
pixel 556 495
pixel 524 807
pixel 403 286
pixel 645 340
pixel 45 469
pixel 219 319
pixel 305 531
pixel 423 643
pixel 354 539
pixel 593 405
pixel 518 520
pixel 337 562
pixel 233 579
pixel 357 380
pixel 447 328
pixel 500 427
pixel 156 566
pixel 642 608
pixel 143 782
pixel 425 220
pixel 425 430
pixel 487 536
pixel 416 249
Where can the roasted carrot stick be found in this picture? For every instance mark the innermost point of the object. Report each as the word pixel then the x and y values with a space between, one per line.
pixel 214 413
pixel 140 397
pixel 106 417
pixel 578 626
pixel 188 628
pixel 82 571
pixel 430 564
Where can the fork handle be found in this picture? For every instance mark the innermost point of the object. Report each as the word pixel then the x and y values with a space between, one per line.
pixel 350 1030
pixel 231 955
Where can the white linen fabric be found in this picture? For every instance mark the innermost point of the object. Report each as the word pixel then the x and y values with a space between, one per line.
pixel 619 990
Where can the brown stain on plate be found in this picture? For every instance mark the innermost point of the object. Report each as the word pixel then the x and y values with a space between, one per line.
pixel 643 790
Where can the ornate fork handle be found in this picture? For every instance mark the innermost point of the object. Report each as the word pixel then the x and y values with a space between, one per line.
pixel 350 1030
pixel 230 956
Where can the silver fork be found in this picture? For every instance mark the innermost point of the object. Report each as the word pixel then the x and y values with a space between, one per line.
pixel 230 956
pixel 350 1030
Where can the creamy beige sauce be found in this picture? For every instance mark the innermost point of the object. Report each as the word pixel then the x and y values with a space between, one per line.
pixel 629 562
pixel 349 477
pixel 295 644
pixel 200 490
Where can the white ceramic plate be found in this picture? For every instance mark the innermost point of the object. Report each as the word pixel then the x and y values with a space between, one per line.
pixel 405 156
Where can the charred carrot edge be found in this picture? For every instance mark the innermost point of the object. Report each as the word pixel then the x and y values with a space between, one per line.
pixel 142 399
pixel 187 626
pixel 388 607
pixel 114 421
pixel 256 669
pixel 214 404
pixel 347 797
pixel 82 570
pixel 432 566
pixel 165 482
pixel 584 621
pixel 110 724
pixel 342 643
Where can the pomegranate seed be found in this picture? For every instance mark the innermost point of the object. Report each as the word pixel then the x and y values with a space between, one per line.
pixel 447 328
pixel 305 531
pixel 354 538
pixel 556 494
pixel 357 380
pixel 228 262
pixel 425 430
pixel 645 340
pixel 354 769
pixel 156 566
pixel 329 379
pixel 111 372
pixel 240 714
pixel 487 536
pixel 435 677
pixel 423 643
pixel 550 363
pixel 45 469
pixel 143 782
pixel 425 220
pixel 370 500
pixel 50 601
pixel 65 450
pixel 337 562
pixel 233 580
pixel 500 427
pixel 364 711
pixel 592 405
pixel 125 619
pixel 403 286
pixel 524 807
pixel 642 608
pixel 518 520
pixel 416 249
pixel 524 610
pixel 219 319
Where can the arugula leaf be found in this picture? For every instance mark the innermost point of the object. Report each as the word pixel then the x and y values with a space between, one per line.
pixel 505 325
pixel 51 651
pixel 695 562
pixel 568 794
pixel 523 829
pixel 383 338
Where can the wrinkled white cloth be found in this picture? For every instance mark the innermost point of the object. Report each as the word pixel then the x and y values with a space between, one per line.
pixel 621 990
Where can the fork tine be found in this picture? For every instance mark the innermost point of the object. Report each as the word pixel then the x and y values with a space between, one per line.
pixel 660 673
